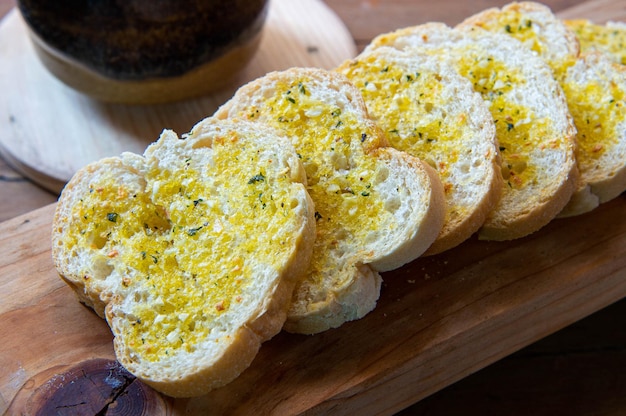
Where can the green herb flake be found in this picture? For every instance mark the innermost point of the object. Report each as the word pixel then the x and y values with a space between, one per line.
pixel 193 231
pixel 112 216
pixel 256 178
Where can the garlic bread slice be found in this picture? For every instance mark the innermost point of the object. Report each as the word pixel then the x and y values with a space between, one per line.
pixel 593 87
pixel 428 110
pixel 534 129
pixel 167 247
pixel 377 208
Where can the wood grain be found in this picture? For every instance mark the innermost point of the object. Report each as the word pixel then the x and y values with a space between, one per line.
pixel 35 103
pixel 369 18
pixel 598 11
pixel 578 371
pixel 18 194
pixel 438 320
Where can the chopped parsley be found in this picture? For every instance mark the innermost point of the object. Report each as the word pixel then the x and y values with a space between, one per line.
pixel 256 178
pixel 193 231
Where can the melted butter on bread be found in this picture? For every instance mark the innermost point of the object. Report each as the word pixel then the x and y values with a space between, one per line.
pixel 429 111
pixel 609 38
pixel 183 252
pixel 342 176
pixel 599 112
pixel 517 127
pixel 536 27
pixel 534 128
pixel 376 208
pixel 168 247
pixel 591 85
pixel 396 108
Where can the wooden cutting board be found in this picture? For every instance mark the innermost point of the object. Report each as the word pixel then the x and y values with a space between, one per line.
pixel 48 131
pixel 438 320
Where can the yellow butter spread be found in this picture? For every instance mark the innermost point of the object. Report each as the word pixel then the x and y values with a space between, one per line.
pixel 518 129
pixel 517 25
pixel 595 109
pixel 182 244
pixel 335 148
pixel 407 105
pixel 598 111
pixel 608 39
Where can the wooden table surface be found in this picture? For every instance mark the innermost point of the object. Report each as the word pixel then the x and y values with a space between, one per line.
pixel 577 371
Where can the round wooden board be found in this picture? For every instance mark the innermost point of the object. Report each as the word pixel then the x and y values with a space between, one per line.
pixel 48 131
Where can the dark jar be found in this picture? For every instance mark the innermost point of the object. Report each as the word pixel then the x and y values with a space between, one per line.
pixel 144 51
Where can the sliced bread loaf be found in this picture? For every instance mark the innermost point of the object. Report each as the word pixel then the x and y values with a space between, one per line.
pixel 593 87
pixel 377 208
pixel 428 110
pixel 533 125
pixel 167 247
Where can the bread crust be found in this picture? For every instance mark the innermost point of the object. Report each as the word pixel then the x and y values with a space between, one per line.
pixel 155 281
pixel 368 215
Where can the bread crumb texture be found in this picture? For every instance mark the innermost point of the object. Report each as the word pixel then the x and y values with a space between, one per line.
pixel 190 242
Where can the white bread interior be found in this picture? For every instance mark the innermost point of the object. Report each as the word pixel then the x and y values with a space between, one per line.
pixel 167 247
